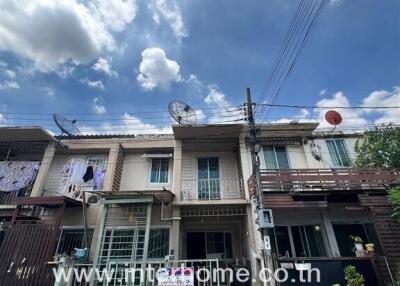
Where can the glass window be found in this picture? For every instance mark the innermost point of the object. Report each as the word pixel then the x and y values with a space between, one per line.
pixel 208 178
pixel 219 243
pixel 159 170
pixel 299 241
pixel 276 157
pixel 338 153
pixel 158 243
pixel 365 231
pixel 283 241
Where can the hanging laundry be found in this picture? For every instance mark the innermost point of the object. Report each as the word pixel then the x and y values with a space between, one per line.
pixel 98 179
pixel 88 174
pixel 78 169
pixel 16 175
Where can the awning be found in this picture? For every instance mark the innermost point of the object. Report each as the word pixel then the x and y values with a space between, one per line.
pixel 158 155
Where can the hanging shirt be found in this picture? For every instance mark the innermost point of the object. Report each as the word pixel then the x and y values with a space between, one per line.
pixel 88 174
pixel 98 179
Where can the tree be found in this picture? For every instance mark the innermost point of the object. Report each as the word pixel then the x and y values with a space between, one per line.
pixel 379 148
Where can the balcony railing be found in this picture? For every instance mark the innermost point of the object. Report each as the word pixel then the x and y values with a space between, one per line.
pixel 328 179
pixel 212 189
pixel 8 198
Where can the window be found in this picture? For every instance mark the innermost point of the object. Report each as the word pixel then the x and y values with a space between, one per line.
pixel 276 157
pixel 71 239
pixel 299 241
pixel 159 170
pixel 338 153
pixel 365 231
pixel 208 175
pixel 202 245
pixel 158 243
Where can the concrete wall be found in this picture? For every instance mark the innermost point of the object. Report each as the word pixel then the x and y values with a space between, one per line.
pixel 300 157
pixel 136 174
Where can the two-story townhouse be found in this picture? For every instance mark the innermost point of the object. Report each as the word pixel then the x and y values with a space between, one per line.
pixel 211 199
pixel 319 200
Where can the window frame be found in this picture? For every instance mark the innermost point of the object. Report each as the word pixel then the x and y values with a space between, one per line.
pixel 337 153
pixel 209 179
pixel 302 228
pixel 168 172
pixel 264 161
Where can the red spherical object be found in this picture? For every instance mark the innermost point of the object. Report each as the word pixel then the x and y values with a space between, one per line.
pixel 333 117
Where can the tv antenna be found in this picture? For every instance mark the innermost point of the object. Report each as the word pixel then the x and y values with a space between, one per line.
pixel 182 113
pixel 66 126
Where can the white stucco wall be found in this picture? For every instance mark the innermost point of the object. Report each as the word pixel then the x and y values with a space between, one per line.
pixel 136 174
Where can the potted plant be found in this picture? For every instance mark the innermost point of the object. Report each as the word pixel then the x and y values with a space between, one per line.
pixel 352 277
pixel 358 242
pixel 370 247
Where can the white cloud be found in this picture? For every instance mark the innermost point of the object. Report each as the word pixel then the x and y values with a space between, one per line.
pixel 51 32
pixel 102 65
pixel 200 115
pixel 156 70
pixel 7 84
pixel 351 117
pixel 10 73
pixel 98 108
pixel 50 92
pixel 97 84
pixel 170 12
pixel 128 124
pixel 224 111
pixel 386 99
pixel 115 14
pixel 323 92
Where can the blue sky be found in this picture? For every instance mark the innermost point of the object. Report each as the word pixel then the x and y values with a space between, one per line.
pixel 114 62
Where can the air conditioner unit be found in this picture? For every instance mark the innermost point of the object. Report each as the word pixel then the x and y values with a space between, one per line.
pixel 265 218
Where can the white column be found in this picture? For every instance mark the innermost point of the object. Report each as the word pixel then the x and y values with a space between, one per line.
pixel 44 169
pixel 176 188
pixel 110 168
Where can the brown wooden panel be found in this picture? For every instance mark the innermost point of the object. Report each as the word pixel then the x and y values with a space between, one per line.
pixel 387 228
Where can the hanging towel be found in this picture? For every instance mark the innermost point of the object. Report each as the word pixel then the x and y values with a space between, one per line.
pixel 78 169
pixel 88 174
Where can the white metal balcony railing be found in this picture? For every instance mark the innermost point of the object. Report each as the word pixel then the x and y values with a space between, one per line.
pixel 212 189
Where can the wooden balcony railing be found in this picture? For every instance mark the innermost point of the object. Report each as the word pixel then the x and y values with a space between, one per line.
pixel 328 179
pixel 8 198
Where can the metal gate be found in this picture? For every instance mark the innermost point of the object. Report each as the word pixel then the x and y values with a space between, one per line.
pixel 29 243
pixel 24 253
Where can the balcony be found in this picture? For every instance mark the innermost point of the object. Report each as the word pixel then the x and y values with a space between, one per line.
pixel 328 179
pixel 212 189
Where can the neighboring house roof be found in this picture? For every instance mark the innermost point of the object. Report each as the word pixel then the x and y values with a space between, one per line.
pixel 25 134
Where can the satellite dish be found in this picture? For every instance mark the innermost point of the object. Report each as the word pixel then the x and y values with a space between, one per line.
pixel 333 117
pixel 182 113
pixel 66 126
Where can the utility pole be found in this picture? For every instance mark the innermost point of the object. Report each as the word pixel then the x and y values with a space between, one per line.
pixel 258 198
